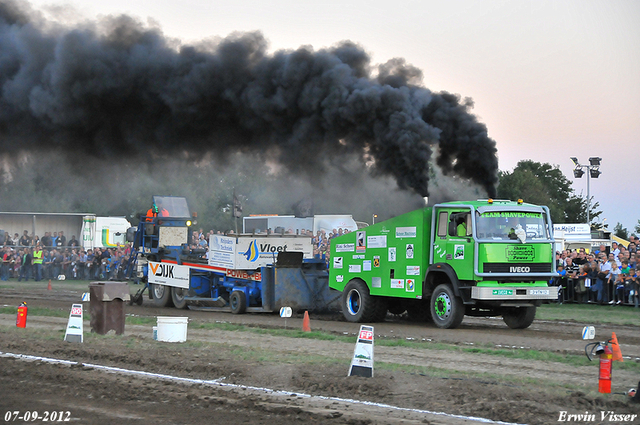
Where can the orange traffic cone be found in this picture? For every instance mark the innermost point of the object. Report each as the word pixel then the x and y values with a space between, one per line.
pixel 617 354
pixel 305 322
pixel 49 287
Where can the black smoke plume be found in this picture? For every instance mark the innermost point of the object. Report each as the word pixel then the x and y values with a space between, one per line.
pixel 118 87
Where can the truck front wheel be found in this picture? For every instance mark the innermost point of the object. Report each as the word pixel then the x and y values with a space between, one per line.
pixel 447 310
pixel 519 317
pixel 360 306
pixel 161 295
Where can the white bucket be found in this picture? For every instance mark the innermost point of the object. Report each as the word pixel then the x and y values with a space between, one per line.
pixel 172 329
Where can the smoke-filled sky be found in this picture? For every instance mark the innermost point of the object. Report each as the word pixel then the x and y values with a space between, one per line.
pixel 549 79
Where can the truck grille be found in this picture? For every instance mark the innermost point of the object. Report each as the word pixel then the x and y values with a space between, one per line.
pixel 516 268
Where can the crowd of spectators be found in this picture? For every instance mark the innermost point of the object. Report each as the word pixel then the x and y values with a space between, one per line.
pixel 200 239
pixel 604 276
pixel 322 243
pixel 54 257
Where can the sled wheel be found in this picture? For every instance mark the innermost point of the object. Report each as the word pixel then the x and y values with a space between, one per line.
pixel 177 296
pixel 238 302
pixel 161 295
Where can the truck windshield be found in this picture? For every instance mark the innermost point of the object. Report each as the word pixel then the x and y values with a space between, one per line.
pixel 175 206
pixel 503 225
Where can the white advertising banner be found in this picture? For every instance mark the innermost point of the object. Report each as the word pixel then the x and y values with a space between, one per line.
pixel 169 274
pixel 222 251
pixel 250 253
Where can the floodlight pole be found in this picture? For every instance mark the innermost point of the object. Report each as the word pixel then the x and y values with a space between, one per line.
pixel 593 167
pixel 588 197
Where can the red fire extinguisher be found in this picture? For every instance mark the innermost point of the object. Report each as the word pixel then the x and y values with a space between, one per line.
pixel 606 363
pixel 21 320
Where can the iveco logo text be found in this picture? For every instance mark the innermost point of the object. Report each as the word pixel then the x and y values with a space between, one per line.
pixel 519 269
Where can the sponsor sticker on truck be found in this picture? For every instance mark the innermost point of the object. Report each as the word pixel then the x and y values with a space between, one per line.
pixel 345 247
pixel 397 283
pixel 520 253
pixel 406 232
pixel 377 241
pixel 538 292
pixel 411 285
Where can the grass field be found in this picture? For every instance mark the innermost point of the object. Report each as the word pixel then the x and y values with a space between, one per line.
pixel 584 313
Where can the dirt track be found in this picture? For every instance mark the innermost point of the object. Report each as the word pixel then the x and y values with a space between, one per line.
pixel 314 391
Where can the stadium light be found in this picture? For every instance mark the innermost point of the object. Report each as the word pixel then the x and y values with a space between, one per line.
pixel 594 173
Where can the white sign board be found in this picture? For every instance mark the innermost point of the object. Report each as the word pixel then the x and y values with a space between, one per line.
pixel 362 362
pixel 169 274
pixel 588 332
pixel 222 251
pixel 286 312
pixel 74 331
pixel 575 232
pixel 251 253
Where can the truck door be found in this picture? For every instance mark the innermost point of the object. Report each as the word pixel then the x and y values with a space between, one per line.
pixel 453 243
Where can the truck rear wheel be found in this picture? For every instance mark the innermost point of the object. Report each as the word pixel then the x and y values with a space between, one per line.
pixel 360 306
pixel 177 296
pixel 161 295
pixel 238 302
pixel 519 317
pixel 447 310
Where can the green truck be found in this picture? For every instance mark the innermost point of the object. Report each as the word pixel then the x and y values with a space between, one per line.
pixel 481 258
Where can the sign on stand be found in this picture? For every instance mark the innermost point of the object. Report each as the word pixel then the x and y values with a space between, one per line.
pixel 286 313
pixel 588 332
pixel 74 327
pixel 362 363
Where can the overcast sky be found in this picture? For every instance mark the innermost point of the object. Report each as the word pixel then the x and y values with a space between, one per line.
pixel 550 79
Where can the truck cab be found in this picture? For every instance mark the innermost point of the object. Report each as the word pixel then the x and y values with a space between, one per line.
pixel 164 228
